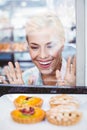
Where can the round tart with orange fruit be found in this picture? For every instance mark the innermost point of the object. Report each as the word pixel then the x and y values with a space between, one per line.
pixel 28 115
pixel 25 101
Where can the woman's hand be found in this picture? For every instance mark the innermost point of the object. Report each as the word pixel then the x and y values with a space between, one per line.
pixel 14 75
pixel 2 80
pixel 70 74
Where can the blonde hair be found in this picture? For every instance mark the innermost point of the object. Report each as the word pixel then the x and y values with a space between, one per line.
pixel 47 19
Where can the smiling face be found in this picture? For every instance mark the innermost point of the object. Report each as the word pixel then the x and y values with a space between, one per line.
pixel 45 37
pixel 45 49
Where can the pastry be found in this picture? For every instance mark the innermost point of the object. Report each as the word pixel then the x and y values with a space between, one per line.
pixel 63 99
pixel 63 115
pixel 24 101
pixel 28 115
pixel 19 47
pixel 5 47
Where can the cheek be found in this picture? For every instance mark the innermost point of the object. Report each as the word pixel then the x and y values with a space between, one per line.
pixel 54 53
pixel 33 54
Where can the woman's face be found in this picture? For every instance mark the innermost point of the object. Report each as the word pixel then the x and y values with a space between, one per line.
pixel 44 48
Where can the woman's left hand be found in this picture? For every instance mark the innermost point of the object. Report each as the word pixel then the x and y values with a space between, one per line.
pixel 70 74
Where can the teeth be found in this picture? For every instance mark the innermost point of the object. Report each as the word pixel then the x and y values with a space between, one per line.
pixel 44 63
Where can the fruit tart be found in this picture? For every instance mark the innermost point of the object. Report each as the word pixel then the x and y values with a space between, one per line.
pixel 28 115
pixel 25 101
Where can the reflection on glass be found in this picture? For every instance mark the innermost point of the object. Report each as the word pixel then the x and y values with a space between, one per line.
pixel 48 36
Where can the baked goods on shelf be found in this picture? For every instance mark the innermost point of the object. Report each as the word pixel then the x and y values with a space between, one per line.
pixel 13 47
pixel 63 99
pixel 63 115
pixel 5 47
pixel 19 47
pixel 24 101
pixel 63 110
pixel 28 115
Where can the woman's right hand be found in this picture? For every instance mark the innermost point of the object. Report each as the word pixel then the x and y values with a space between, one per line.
pixel 14 74
pixel 2 80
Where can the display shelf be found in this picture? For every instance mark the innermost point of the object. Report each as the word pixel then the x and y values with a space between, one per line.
pixel 5 58
pixel 23 58
pixel 9 89
pixel 13 47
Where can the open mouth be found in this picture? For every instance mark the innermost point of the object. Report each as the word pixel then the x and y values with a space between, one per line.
pixel 45 64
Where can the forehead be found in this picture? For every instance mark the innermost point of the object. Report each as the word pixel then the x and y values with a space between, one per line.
pixel 43 35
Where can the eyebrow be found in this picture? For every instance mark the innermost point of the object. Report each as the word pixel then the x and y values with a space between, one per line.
pixel 33 43
pixel 49 42
pixel 37 43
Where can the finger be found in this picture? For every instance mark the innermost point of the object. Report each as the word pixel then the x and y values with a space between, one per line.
pixel 18 70
pixel 12 70
pixel 30 81
pixel 0 79
pixel 7 73
pixel 4 82
pixel 58 75
pixel 73 69
pixel 61 83
pixel 68 67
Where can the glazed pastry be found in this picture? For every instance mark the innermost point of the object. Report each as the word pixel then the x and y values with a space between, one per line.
pixel 28 115
pixel 63 99
pixel 19 47
pixel 24 101
pixel 63 115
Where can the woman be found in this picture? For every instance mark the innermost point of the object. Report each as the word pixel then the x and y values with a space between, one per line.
pixel 45 38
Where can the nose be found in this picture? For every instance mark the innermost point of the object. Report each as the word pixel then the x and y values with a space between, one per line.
pixel 43 53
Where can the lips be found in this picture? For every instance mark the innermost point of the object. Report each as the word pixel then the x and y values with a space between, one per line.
pixel 45 64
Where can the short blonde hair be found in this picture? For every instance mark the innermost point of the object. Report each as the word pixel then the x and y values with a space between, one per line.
pixel 47 19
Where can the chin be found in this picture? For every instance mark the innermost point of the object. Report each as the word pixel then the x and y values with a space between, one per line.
pixel 46 71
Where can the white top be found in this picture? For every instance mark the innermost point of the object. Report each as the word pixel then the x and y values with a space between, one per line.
pixel 33 73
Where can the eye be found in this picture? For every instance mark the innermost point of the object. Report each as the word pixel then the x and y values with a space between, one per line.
pixel 50 46
pixel 34 48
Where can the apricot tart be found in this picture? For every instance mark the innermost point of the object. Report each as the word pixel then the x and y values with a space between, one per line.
pixel 28 115
pixel 24 101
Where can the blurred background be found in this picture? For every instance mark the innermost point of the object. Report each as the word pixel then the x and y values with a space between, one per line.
pixel 13 16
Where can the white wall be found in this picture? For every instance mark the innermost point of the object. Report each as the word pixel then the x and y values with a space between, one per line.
pixel 86 42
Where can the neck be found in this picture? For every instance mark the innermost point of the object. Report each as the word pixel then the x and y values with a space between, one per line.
pixel 49 79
